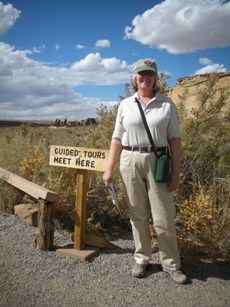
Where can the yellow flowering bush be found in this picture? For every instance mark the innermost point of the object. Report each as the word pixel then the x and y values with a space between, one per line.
pixel 204 227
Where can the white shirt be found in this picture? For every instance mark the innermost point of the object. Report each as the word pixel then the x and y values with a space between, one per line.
pixel 161 116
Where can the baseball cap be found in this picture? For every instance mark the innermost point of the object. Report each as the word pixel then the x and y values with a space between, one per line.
pixel 145 64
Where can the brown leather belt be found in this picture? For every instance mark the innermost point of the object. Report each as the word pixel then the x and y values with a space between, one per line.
pixel 144 149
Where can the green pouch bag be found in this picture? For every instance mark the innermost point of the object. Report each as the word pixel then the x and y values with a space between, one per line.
pixel 162 168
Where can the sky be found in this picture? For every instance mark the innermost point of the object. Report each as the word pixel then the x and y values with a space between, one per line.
pixel 64 59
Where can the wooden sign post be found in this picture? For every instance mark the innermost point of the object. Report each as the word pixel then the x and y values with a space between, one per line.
pixel 80 210
pixel 83 159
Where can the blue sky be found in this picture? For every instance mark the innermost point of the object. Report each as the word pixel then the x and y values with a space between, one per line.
pixel 63 59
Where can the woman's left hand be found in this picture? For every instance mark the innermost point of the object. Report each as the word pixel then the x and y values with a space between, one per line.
pixel 175 149
pixel 173 182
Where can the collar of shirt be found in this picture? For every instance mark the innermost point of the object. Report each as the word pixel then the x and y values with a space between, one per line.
pixel 157 97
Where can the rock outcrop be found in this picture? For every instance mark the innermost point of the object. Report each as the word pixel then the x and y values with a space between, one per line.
pixel 194 84
pixel 84 122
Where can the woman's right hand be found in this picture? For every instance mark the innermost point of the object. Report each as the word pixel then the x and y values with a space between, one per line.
pixel 107 177
pixel 115 150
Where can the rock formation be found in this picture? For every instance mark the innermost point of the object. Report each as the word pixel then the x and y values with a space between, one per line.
pixel 84 122
pixel 194 84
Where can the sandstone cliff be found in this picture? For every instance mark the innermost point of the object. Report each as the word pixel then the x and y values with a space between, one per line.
pixel 193 85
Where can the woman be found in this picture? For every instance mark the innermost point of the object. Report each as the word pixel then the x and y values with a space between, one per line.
pixel 144 195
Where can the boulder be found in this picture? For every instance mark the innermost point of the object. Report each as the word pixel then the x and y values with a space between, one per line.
pixel 27 212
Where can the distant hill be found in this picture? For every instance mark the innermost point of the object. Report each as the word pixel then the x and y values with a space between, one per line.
pixel 15 123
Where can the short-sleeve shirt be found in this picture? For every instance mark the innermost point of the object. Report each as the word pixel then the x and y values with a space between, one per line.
pixel 161 115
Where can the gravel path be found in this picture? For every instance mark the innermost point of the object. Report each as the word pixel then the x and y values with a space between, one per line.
pixel 32 278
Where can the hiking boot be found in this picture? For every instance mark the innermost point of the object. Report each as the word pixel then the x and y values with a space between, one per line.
pixel 178 276
pixel 139 270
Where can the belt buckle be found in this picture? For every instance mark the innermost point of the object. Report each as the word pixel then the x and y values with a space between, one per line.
pixel 142 149
pixel 149 147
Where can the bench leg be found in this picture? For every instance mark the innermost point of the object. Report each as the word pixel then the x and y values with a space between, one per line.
pixel 45 233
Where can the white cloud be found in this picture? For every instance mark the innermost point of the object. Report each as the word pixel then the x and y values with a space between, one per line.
pixel 33 90
pixel 183 26
pixel 210 67
pixel 103 43
pixel 8 17
pixel 98 68
pixel 205 61
pixel 80 46
pixel 57 46
pixel 39 49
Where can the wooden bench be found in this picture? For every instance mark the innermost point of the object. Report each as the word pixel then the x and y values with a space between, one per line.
pixel 46 199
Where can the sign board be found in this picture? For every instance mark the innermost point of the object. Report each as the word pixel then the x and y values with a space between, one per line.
pixel 79 157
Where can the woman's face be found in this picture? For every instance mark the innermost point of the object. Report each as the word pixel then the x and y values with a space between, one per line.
pixel 145 79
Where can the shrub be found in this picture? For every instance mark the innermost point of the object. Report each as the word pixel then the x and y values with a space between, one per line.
pixel 205 136
pixel 204 227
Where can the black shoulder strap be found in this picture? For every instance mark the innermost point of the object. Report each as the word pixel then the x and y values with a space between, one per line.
pixel 146 127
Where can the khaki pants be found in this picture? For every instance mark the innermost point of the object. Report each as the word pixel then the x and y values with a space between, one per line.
pixel 145 197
